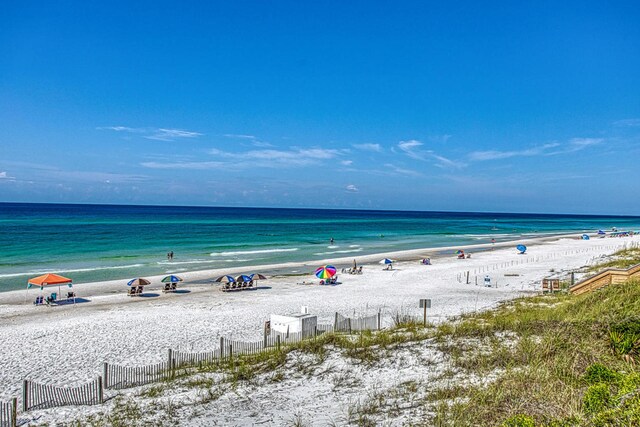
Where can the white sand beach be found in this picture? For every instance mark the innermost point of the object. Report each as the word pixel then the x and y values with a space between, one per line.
pixel 67 344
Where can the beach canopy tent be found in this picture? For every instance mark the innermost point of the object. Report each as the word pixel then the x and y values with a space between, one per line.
pixel 585 237
pixel 326 272
pixel 601 232
pixel 386 261
pixel 521 248
pixel 50 279
pixel 225 279
pixel 172 279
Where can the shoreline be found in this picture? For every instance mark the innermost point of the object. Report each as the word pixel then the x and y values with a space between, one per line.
pixel 206 276
pixel 109 326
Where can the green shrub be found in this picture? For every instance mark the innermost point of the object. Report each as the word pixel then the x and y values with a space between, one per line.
pixel 598 373
pixel 597 398
pixel 519 420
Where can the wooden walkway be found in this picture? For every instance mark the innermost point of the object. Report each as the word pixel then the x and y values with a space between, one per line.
pixel 610 276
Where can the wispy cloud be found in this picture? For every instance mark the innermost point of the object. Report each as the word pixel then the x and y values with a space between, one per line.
pixel 159 134
pixel 254 140
pixel 352 188
pixel 397 170
pixel 551 149
pixel 184 165
pixel 5 176
pixel 369 147
pixel 496 155
pixel 627 123
pixel 413 149
pixel 294 156
pixel 172 134
pixel 239 136
pixel 346 162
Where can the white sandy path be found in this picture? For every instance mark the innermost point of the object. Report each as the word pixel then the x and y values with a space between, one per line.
pixel 67 344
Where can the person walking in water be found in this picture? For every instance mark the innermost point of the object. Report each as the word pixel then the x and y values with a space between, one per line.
pixel 331 241
pixel 171 255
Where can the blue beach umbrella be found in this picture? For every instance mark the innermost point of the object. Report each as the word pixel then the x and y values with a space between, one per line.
pixel 243 278
pixel 386 261
pixel 585 237
pixel 172 279
pixel 521 248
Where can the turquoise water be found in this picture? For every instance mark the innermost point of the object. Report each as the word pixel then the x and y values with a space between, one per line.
pixel 100 242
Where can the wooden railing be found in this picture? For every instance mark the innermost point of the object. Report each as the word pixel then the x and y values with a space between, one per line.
pixel 610 276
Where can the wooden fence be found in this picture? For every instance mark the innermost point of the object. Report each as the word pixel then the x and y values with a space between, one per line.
pixel 41 396
pixel 348 324
pixel 9 413
pixel 119 377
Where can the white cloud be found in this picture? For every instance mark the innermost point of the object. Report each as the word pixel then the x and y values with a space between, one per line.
pixel 184 165
pixel 496 155
pixel 627 123
pixel 160 134
pixel 346 162
pixel 4 176
pixel 412 148
pixel 585 142
pixel 239 136
pixel 369 147
pixel 389 167
pixel 295 156
pixel 172 134
pixel 352 188
pixel 573 145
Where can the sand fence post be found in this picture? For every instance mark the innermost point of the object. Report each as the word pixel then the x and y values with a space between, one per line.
pixel 14 412
pixel 105 374
pixel 100 391
pixel 278 342
pixel 25 395
pixel 379 320
pixel 221 347
pixel 335 323
pixel 170 364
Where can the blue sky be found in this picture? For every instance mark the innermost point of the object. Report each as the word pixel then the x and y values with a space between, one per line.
pixel 530 107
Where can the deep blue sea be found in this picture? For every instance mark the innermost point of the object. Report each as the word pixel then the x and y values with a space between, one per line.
pixel 103 242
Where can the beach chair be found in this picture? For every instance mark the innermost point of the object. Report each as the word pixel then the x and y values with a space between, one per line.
pixel 167 287
pixel 360 270
pixel 250 285
pixel 174 286
pixel 545 286
pixel 139 291
pixel 39 300
pixel 132 291
pixel 71 295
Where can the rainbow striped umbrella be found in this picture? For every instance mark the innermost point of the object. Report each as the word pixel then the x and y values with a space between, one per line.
pixel 326 272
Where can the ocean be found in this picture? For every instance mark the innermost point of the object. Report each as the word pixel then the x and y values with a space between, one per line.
pixel 103 242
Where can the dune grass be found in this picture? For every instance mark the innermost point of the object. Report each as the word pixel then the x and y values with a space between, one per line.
pixel 624 258
pixel 552 360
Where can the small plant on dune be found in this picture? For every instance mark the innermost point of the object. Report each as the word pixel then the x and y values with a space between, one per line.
pixel 597 398
pixel 519 420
